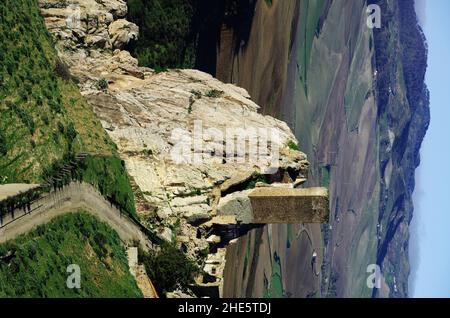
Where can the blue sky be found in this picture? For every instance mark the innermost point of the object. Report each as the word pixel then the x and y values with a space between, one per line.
pixel 430 231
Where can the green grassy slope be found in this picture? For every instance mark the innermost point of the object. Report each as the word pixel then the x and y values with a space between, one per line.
pixel 275 287
pixel 44 119
pixel 43 116
pixel 320 56
pixel 35 264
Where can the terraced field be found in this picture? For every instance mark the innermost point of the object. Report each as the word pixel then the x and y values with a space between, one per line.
pixel 336 124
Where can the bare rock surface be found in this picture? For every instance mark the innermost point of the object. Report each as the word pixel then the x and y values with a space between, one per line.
pixel 237 203
pixel 122 32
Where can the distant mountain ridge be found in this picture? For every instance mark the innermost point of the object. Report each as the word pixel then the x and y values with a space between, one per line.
pixel 409 118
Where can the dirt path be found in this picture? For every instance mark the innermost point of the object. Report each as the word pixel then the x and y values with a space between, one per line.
pixel 12 189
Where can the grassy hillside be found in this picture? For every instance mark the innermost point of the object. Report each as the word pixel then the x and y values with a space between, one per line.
pixel 404 113
pixel 44 119
pixel 43 116
pixel 35 264
pixel 309 28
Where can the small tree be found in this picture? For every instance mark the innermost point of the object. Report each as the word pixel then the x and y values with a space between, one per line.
pixel 169 268
pixel 102 84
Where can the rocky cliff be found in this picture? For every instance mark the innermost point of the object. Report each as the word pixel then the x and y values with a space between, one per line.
pixel 179 132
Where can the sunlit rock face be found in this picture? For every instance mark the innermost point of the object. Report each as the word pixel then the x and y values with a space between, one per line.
pixel 88 23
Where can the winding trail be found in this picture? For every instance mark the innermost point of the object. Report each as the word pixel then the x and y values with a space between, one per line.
pixel 314 266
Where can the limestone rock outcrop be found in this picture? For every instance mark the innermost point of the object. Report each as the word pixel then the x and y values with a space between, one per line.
pixel 88 24
pixel 122 32
pixel 238 204
pixel 187 139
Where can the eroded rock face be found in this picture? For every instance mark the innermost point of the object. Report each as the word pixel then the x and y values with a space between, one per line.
pixel 143 117
pixel 237 202
pixel 116 7
pixel 174 130
pixel 88 24
pixel 122 32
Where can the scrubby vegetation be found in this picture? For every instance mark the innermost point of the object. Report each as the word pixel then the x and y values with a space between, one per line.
pixel 258 178
pixel 108 174
pixel 293 145
pixel 185 33
pixel 3 148
pixel 17 202
pixel 103 84
pixel 214 93
pixel 169 269
pixel 35 264
pixel 165 32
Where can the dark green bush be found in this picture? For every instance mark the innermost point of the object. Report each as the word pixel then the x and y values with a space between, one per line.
pixel 169 268
pixel 214 93
pixel 166 35
pixel 61 127
pixel 70 133
pixel 292 145
pixel 3 144
pixel 102 84
pixel 45 119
